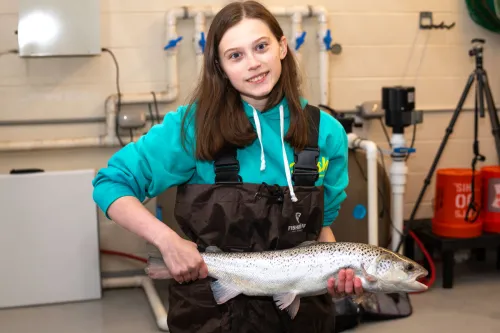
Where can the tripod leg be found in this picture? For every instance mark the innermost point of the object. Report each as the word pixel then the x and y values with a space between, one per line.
pixel 495 127
pixel 449 130
pixel 479 95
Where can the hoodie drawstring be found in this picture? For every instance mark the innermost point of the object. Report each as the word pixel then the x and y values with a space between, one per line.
pixel 259 134
pixel 285 159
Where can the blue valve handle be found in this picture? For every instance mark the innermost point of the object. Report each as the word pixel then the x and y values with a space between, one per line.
pixel 202 42
pixel 172 43
pixel 404 150
pixel 300 40
pixel 328 39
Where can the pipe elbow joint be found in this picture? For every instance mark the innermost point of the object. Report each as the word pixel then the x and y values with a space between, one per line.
pixel 370 148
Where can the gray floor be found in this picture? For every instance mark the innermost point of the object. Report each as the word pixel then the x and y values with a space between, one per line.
pixel 473 305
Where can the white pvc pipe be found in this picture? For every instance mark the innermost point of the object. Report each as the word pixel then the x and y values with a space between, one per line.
pixel 109 139
pixel 320 12
pixel 199 28
pixel 398 172
pixel 172 52
pixel 296 32
pixel 147 284
pixel 371 159
pixel 324 63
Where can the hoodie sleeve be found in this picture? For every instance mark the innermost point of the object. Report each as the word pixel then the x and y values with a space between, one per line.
pixel 147 167
pixel 336 176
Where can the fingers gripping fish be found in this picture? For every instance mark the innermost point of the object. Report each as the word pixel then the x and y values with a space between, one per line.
pixel 287 275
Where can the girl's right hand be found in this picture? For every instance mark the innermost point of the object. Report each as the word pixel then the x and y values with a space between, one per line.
pixel 183 259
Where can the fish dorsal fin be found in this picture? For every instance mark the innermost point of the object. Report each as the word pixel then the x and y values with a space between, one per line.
pixel 289 301
pixel 307 243
pixel 213 249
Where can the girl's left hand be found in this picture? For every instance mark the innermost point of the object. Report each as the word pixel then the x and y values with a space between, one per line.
pixel 347 284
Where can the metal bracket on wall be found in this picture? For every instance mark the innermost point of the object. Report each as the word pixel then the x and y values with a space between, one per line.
pixel 426 22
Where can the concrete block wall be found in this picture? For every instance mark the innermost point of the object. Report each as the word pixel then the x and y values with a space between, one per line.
pixel 381 45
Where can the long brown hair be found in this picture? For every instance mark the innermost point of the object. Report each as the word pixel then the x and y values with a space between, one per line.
pixel 219 116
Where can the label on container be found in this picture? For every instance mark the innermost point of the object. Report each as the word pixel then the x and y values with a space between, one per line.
pixel 494 195
pixel 463 196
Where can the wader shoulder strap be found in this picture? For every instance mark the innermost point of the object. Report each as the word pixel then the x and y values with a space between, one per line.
pixel 227 167
pixel 305 169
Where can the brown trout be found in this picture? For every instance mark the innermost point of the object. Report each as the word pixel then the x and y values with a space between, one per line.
pixel 287 275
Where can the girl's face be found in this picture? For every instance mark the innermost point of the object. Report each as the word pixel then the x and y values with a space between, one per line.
pixel 250 57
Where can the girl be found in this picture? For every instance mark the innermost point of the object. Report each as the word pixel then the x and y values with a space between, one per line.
pixel 257 168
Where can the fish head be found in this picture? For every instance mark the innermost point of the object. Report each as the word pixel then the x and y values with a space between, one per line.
pixel 396 273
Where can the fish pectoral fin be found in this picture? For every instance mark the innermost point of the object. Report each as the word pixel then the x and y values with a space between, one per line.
pixel 288 301
pixel 367 276
pixel 223 291
pixel 293 308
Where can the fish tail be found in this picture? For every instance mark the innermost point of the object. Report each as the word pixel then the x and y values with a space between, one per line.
pixel 156 269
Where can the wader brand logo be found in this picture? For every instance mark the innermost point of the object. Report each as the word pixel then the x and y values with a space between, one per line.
pixel 299 226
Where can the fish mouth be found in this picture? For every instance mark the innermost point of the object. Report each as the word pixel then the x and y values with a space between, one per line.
pixel 416 281
pixel 421 275
pixel 419 286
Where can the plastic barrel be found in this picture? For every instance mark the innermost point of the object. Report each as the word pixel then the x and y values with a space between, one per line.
pixel 452 198
pixel 490 211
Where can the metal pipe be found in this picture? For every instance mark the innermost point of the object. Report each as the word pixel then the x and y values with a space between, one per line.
pixel 62 121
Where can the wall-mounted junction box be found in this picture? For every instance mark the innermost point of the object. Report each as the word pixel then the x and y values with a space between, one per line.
pixel 59 28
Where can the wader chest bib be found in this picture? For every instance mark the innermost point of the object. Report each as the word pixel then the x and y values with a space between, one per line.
pixel 238 216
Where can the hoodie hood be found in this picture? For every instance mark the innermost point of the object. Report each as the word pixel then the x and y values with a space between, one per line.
pixel 281 112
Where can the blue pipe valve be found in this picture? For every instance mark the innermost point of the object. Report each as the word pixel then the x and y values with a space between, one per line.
pixel 172 43
pixel 404 150
pixel 202 42
pixel 327 40
pixel 300 40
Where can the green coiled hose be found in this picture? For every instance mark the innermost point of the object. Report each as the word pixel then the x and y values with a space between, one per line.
pixel 485 13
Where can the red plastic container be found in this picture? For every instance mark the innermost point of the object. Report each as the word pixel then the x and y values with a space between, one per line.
pixel 452 198
pixel 490 208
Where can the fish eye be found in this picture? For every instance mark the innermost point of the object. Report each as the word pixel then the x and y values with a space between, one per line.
pixel 410 267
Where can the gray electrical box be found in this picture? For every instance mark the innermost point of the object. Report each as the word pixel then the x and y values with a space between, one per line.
pixel 59 28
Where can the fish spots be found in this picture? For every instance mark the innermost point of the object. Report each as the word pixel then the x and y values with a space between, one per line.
pixel 304 268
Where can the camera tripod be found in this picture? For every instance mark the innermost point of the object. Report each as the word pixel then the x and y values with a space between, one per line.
pixel 482 91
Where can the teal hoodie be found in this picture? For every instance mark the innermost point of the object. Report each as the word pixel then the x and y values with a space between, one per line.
pixel 158 161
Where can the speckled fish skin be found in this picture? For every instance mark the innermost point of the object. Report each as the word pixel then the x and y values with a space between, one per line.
pixel 288 275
